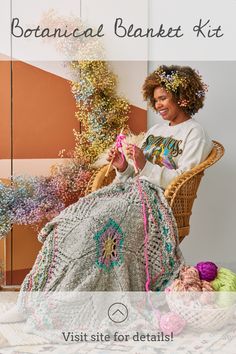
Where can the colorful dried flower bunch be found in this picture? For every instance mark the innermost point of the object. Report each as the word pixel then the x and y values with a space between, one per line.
pixel 34 200
pixel 70 180
pixel 28 200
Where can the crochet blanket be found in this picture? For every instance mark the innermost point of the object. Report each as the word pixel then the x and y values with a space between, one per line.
pixel 122 237
pixel 98 243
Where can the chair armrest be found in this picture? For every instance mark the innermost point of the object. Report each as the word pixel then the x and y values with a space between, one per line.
pixel 98 179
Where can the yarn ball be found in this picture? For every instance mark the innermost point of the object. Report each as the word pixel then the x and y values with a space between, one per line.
pixel 207 270
pixel 206 286
pixel 189 273
pixel 170 322
pixel 225 284
pixel 177 285
pixel 225 297
pixel 188 280
pixel 225 277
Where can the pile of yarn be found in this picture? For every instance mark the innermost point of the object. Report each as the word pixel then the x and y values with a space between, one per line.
pixel 222 280
pixel 197 291
pixel 206 277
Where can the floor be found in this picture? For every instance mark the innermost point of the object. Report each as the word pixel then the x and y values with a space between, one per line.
pixel 15 340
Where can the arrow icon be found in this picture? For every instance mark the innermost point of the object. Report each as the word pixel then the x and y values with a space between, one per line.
pixel 118 312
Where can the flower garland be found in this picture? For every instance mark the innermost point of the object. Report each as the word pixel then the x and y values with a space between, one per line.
pixel 100 110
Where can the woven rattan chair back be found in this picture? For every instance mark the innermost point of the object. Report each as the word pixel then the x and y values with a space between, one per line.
pixel 181 192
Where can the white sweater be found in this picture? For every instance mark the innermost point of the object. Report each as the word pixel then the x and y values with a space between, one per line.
pixel 170 151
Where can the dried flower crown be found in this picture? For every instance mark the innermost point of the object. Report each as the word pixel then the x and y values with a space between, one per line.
pixel 174 79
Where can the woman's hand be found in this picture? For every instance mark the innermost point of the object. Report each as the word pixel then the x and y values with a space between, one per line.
pixel 117 159
pixel 137 155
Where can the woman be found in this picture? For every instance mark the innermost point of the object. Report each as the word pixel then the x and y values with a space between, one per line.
pixel 124 236
pixel 176 93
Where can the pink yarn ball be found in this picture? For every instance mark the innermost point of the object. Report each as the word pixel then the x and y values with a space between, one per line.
pixel 207 270
pixel 171 322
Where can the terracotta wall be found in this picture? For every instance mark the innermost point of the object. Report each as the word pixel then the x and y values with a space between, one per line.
pixel 5 110
pixel 42 118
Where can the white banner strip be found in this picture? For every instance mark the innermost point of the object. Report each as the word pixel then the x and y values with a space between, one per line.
pixel 125 30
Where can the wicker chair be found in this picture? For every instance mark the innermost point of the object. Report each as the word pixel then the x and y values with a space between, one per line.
pixel 181 192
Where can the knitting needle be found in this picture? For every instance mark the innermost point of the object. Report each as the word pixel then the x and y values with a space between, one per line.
pixel 109 166
pixel 134 162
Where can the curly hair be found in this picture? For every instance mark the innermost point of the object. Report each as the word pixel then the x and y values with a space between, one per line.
pixel 183 82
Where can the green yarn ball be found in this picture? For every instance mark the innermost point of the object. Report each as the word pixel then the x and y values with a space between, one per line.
pixel 225 283
pixel 225 297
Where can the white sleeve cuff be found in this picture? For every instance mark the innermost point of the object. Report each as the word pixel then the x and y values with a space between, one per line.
pixel 152 173
pixel 147 171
